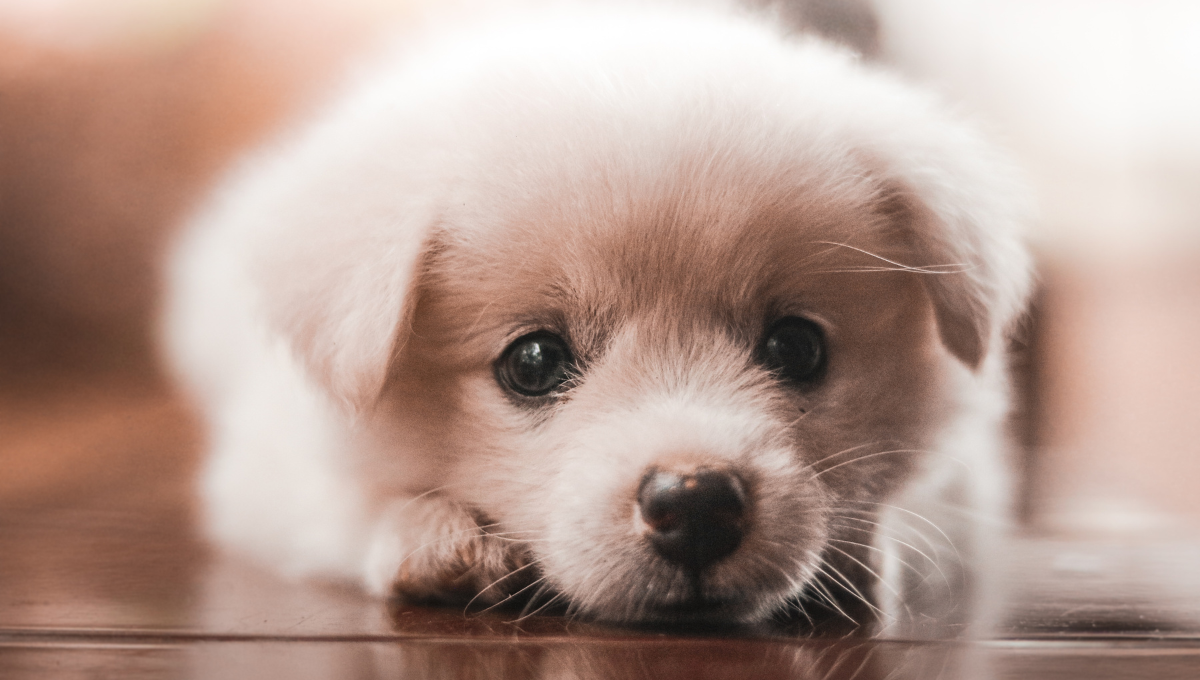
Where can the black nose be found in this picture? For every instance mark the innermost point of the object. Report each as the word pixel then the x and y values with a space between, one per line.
pixel 696 518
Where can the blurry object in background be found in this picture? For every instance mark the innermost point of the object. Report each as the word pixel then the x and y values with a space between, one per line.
pixel 115 116
pixel 1121 444
pixel 850 22
pixel 1101 101
pixel 1100 98
pixel 91 26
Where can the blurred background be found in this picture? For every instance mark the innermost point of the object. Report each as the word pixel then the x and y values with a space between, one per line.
pixel 116 116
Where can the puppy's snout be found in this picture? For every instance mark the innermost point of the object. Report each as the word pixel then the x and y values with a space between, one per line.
pixel 695 518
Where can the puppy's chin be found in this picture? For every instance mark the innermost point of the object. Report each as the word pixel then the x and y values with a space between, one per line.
pixel 702 610
pixel 663 595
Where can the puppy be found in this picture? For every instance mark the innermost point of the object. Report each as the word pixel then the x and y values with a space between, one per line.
pixel 648 311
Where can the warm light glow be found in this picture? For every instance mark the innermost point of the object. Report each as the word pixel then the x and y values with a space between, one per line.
pixel 1099 97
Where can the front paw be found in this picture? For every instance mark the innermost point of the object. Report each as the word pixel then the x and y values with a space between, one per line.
pixel 429 549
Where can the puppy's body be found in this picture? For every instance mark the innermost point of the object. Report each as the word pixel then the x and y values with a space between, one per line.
pixel 657 189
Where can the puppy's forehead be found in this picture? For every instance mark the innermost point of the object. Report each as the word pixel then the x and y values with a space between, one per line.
pixel 730 248
pixel 679 198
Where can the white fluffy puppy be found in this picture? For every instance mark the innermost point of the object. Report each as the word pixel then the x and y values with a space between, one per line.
pixel 650 311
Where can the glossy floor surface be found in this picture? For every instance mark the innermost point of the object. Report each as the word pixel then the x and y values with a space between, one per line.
pixel 102 574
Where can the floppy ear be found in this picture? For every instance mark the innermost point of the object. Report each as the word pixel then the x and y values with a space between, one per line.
pixel 336 252
pixel 341 299
pixel 966 247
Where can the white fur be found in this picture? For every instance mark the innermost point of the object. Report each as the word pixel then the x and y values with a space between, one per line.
pixel 347 441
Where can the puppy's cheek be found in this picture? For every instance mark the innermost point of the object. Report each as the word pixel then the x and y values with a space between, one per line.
pixel 593 552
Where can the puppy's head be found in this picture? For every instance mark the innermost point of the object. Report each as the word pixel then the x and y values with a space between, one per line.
pixel 676 311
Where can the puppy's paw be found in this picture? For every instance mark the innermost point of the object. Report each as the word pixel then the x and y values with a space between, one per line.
pixel 428 549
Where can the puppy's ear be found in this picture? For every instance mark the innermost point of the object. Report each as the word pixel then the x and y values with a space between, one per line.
pixel 336 276
pixel 967 249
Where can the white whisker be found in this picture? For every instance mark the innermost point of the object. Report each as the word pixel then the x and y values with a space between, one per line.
pixel 949 268
pixel 866 457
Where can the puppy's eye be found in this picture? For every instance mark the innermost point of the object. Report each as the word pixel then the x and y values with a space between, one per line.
pixel 794 349
pixel 535 364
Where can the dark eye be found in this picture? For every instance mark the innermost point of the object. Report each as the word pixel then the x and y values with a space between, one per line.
pixel 794 349
pixel 535 364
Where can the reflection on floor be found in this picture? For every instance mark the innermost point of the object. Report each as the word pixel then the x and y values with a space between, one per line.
pixel 101 573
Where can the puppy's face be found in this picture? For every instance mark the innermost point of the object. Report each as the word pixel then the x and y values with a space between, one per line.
pixel 684 396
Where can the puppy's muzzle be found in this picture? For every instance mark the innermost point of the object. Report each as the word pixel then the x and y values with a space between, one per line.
pixel 693 519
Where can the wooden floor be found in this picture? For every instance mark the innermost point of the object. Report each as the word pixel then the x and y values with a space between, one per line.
pixel 103 575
